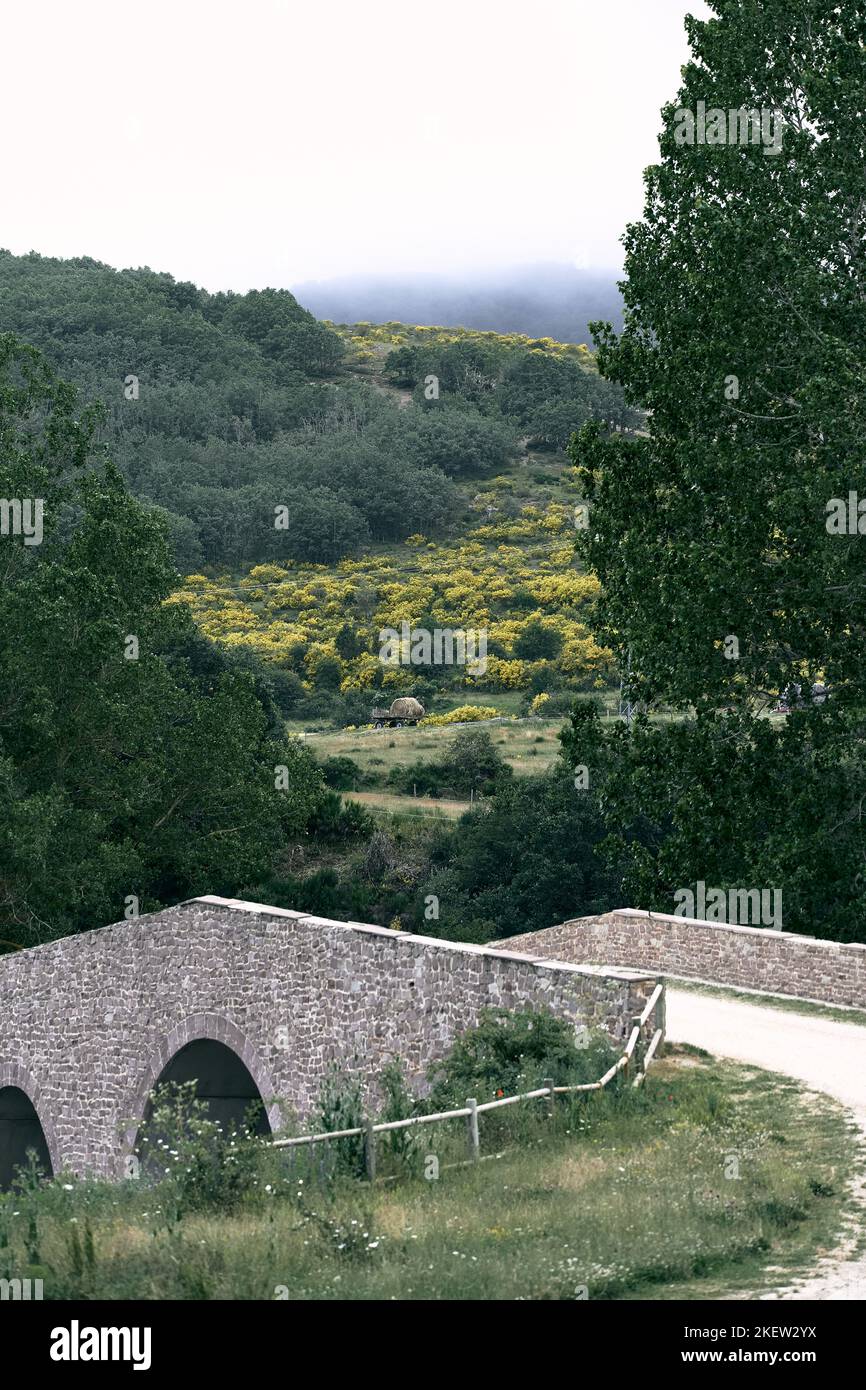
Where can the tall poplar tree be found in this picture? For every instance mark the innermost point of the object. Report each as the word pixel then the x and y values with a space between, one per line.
pixel 729 538
pixel 745 340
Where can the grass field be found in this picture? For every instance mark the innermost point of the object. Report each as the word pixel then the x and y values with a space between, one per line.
pixel 689 1188
pixel 395 803
pixel 528 745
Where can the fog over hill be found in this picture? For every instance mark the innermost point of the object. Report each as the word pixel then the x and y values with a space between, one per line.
pixel 545 300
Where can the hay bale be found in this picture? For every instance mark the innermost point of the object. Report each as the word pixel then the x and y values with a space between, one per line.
pixel 407 707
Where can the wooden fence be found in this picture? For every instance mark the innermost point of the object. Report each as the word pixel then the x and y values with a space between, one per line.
pixel 637 1056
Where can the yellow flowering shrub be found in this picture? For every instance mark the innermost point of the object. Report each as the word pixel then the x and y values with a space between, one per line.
pixel 464 714
pixel 509 675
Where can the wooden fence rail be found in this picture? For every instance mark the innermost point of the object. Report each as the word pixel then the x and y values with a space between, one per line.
pixel 470 1112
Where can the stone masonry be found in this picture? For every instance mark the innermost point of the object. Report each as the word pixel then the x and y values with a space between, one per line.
pixel 755 958
pixel 88 1023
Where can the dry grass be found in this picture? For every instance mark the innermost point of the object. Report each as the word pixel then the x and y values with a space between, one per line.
pixel 529 746
pixel 409 805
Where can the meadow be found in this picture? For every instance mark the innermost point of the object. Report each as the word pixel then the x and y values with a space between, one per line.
pixel 688 1188
pixel 527 746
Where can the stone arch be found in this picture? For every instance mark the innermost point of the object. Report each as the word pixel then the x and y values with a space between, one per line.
pixel 199 1028
pixel 26 1107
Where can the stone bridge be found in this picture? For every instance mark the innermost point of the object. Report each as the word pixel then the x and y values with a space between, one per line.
pixel 252 1002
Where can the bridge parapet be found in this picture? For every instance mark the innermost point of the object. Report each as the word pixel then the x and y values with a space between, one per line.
pixel 752 958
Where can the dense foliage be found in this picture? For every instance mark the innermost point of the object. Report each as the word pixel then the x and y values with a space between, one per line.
pixel 525 859
pixel 322 626
pixel 217 412
pixel 734 802
pixel 526 862
pixel 235 415
pixel 723 580
pixel 745 339
pixel 547 394
pixel 514 1050
pixel 136 762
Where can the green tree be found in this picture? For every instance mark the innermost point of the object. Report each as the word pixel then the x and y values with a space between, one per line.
pixel 456 441
pixel 526 862
pixel 276 323
pixel 123 772
pixel 745 339
pixel 327 673
pixel 537 642
pixel 722 584
pixel 735 802
pixel 348 643
pixel 472 762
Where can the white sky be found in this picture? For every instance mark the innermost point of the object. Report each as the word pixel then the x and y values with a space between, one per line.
pixel 239 143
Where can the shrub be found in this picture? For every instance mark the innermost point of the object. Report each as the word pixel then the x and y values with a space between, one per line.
pixel 464 714
pixel 537 642
pixel 199 1166
pixel 514 1050
pixel 399 1104
pixel 342 773
pixel 335 819
pixel 341 1106
pixel 557 704
pixel 472 763
pixel 427 779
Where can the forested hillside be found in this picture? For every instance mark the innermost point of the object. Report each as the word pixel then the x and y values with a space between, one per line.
pixel 318 488
pixel 150 753
pixel 222 407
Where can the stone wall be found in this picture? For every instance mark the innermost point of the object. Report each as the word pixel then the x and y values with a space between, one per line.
pixel 750 957
pixel 88 1023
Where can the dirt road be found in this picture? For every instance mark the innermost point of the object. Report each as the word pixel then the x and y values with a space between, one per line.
pixel 824 1054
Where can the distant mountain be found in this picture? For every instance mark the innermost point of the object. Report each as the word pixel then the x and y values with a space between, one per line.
pixel 548 300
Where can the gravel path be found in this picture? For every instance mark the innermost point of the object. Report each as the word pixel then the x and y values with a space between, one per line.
pixel 824 1055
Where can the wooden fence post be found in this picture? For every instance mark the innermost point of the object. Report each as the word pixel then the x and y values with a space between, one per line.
pixel 370 1150
pixel 551 1098
pixel 639 1048
pixel 472 1137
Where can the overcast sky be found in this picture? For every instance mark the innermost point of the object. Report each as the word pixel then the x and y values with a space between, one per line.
pixel 276 141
